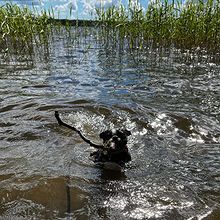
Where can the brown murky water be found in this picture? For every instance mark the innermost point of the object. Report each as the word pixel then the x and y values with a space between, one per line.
pixel 169 101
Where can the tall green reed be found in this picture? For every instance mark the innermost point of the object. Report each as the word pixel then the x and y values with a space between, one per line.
pixel 21 30
pixel 187 25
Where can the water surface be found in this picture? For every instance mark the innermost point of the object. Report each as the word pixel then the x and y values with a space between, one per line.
pixel 168 100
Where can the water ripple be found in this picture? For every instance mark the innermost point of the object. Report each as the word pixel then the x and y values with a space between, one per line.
pixel 170 103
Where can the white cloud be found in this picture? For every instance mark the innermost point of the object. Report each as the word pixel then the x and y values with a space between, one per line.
pixel 70 5
pixel 87 6
pixel 90 5
pixel 106 3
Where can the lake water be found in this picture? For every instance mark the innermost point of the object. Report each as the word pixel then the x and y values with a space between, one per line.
pixel 169 100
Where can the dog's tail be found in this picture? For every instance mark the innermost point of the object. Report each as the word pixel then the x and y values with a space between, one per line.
pixel 60 122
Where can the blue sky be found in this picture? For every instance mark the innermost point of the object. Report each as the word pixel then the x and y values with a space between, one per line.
pixel 81 9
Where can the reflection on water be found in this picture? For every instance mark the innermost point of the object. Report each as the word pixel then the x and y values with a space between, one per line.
pixel 169 101
pixel 44 198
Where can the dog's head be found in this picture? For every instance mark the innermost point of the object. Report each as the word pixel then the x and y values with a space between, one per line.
pixel 115 139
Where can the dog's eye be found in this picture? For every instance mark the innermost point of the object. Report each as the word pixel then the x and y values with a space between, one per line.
pixel 106 135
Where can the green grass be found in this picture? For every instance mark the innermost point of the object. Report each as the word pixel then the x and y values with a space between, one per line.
pixel 166 23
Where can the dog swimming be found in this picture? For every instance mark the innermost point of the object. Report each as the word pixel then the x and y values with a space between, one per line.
pixel 113 154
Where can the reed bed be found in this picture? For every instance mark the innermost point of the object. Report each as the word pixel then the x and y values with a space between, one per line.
pixel 194 25
pixel 21 30
pixel 190 25
pixel 27 33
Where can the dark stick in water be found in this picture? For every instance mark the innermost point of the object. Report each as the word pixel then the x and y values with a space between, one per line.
pixel 68 195
pixel 68 191
pixel 60 122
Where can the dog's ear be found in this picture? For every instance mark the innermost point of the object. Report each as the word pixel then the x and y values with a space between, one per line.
pixel 106 135
pixel 126 132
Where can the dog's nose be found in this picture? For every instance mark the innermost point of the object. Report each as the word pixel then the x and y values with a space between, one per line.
pixel 114 138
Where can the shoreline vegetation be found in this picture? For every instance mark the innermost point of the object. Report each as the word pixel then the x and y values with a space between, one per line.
pixel 21 32
pixel 194 26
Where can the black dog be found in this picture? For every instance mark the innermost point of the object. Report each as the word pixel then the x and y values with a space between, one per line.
pixel 114 148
